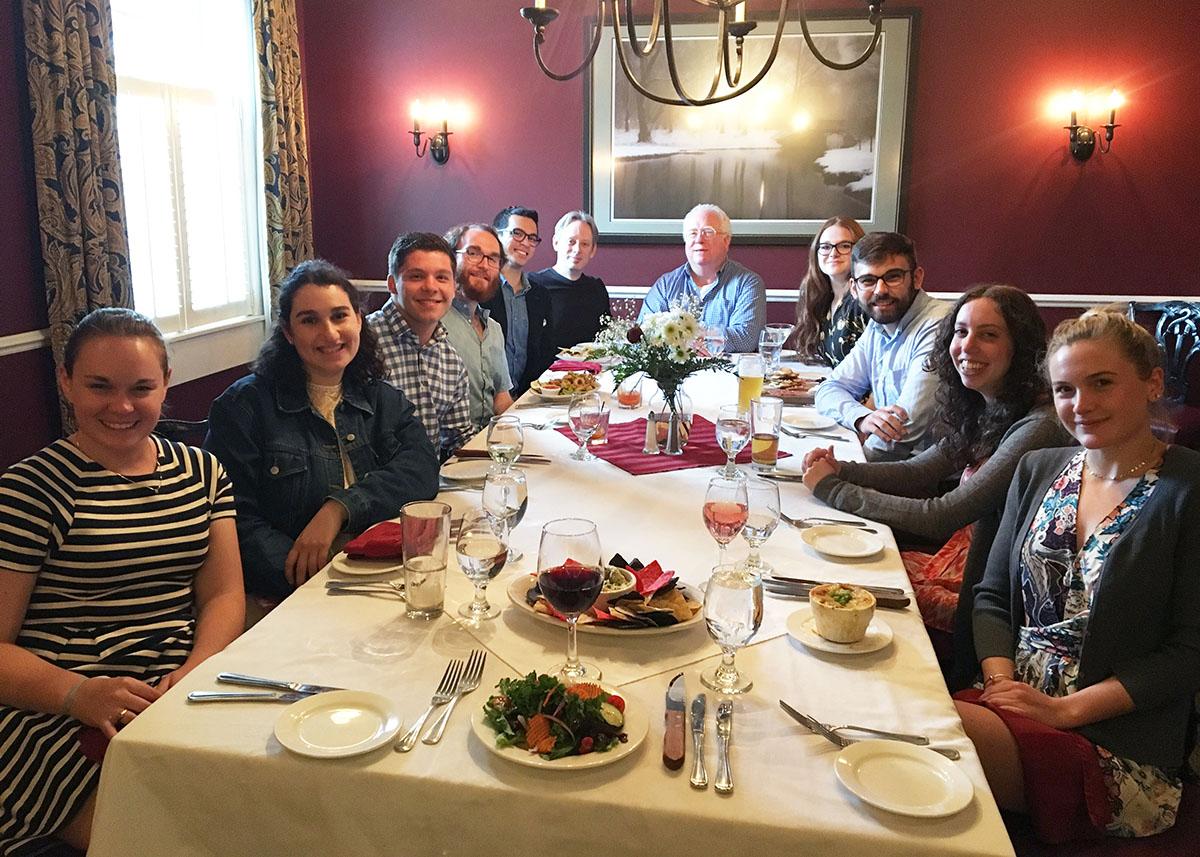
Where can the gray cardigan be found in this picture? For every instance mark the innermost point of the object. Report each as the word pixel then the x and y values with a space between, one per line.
pixel 1144 627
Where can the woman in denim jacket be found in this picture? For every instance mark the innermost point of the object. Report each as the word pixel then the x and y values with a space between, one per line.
pixel 317 444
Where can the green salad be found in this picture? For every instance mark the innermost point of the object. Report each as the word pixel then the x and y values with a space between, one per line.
pixel 540 714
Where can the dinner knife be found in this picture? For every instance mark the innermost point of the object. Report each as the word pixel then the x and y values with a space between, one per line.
pixel 804 581
pixel 673 747
pixel 799 590
pixel 246 696
pixel 724 781
pixel 834 738
pixel 255 681
pixel 699 775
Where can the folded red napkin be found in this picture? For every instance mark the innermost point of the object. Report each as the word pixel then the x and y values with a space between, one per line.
pixel 576 366
pixel 382 541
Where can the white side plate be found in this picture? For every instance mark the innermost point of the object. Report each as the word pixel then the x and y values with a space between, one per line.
pixel 467 470
pixel 342 564
pixel 809 420
pixel 903 778
pixel 800 627
pixel 843 542
pixel 338 723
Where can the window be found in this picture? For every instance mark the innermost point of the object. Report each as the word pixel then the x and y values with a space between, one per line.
pixel 188 132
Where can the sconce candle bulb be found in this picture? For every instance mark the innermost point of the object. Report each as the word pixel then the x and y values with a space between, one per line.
pixel 438 145
pixel 1082 139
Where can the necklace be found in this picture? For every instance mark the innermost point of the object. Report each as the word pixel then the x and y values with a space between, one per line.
pixel 1125 474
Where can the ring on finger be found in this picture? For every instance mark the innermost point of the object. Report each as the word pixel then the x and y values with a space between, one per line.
pixel 121 715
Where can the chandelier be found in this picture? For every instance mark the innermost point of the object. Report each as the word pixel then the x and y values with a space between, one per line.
pixel 725 67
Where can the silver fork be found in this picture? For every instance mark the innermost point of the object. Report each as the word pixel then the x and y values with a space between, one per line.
pixel 352 585
pixel 443 694
pixel 469 682
pixel 805 523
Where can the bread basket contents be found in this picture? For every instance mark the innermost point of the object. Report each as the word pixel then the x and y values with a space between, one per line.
pixel 841 611
pixel 791 386
pixel 568 384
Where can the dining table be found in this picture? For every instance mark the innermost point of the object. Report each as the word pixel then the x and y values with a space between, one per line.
pixel 193 779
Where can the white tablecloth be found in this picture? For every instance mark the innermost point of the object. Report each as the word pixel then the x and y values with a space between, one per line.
pixel 212 779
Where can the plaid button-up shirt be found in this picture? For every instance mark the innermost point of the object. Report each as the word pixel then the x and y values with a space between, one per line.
pixel 433 376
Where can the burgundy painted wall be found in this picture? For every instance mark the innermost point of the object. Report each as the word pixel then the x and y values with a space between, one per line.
pixel 992 193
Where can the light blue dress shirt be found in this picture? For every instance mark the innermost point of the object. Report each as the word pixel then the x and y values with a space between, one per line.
pixel 516 342
pixel 487 367
pixel 888 362
pixel 737 303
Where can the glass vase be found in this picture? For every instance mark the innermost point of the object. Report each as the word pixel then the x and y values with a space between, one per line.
pixel 672 411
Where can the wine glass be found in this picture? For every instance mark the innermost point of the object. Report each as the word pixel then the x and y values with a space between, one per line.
pixel 733 433
pixel 482 549
pixel 725 511
pixel 714 341
pixel 769 348
pixel 505 440
pixel 584 418
pixel 763 500
pixel 733 607
pixel 505 499
pixel 570 577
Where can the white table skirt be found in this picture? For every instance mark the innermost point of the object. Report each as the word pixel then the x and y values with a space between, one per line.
pixel 212 779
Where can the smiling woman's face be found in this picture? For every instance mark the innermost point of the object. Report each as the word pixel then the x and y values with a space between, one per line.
pixel 1099 394
pixel 324 327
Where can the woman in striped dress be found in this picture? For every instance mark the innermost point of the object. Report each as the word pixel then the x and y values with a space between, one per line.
pixel 119 573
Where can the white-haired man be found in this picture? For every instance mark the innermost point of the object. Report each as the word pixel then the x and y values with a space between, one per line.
pixel 731 296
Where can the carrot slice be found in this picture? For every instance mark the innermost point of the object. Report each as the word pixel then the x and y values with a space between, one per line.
pixel 586 690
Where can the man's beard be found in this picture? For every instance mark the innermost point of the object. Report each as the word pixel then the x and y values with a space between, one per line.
pixel 471 292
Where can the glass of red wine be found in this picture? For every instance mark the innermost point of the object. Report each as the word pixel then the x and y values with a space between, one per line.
pixel 725 511
pixel 570 576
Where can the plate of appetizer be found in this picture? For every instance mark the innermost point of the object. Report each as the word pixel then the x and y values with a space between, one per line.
pixel 584 351
pixel 565 386
pixel 802 627
pixel 538 721
pixel 791 386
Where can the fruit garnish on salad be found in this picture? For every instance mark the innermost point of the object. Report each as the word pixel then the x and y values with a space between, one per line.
pixel 540 714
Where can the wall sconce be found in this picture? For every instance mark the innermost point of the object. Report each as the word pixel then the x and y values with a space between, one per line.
pixel 1082 139
pixel 437 144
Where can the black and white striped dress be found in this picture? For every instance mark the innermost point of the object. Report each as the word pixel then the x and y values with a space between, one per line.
pixel 115 558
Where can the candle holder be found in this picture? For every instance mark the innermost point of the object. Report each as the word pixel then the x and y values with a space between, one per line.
pixel 438 145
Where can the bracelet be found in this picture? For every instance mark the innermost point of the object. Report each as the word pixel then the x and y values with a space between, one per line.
pixel 995 677
pixel 71 694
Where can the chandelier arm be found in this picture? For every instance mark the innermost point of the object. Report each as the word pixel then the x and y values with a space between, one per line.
pixel 732 75
pixel 673 68
pixel 539 37
pixel 840 66
pixel 655 24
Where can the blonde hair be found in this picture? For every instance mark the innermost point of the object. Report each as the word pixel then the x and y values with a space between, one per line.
pixel 1110 322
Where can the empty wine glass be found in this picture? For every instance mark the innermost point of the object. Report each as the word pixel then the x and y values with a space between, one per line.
pixel 505 440
pixel 733 607
pixel 733 433
pixel 725 510
pixel 505 498
pixel 482 549
pixel 570 577
pixel 584 418
pixel 763 501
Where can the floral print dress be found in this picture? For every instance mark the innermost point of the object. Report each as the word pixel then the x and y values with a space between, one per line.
pixel 842 329
pixel 1058 585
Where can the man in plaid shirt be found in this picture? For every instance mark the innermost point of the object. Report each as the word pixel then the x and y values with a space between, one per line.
pixel 413 344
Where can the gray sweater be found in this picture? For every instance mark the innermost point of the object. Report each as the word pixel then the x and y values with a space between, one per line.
pixel 1144 626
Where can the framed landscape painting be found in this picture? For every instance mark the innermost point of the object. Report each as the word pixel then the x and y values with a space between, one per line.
pixel 803 145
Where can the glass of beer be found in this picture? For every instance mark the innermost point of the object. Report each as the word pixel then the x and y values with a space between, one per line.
pixel 766 414
pixel 750 379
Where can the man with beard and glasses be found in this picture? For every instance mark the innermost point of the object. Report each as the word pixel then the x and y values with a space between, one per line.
pixel 476 336
pixel 888 361
pixel 520 305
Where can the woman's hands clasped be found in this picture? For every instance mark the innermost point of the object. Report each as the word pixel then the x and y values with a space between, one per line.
pixel 818 464
pixel 109 703
pixel 1017 696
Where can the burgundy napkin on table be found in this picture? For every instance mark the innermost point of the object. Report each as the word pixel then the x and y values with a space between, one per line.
pixel 625 442
pixel 576 366
pixel 382 541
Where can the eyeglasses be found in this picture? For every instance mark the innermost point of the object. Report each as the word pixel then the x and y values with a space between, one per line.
pixel 841 248
pixel 474 256
pixel 522 235
pixel 707 233
pixel 892 278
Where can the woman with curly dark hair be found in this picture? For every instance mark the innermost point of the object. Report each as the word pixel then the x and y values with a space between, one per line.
pixel 829 318
pixel 317 444
pixel 993 407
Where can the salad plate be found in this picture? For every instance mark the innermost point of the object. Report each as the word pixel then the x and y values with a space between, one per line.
pixel 903 778
pixel 339 723
pixel 843 542
pixel 467 470
pixel 342 564
pixel 518 590
pixel 809 420
pixel 800 628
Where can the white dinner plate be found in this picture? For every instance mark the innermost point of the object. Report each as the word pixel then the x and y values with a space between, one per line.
pixel 903 778
pixel 338 723
pixel 467 470
pixel 342 564
pixel 843 542
pixel 800 627
pixel 520 585
pixel 788 354
pixel 809 420
pixel 637 724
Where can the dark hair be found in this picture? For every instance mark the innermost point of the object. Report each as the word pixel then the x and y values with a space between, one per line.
pixel 411 242
pixel 874 247
pixel 500 221
pixel 455 234
pixel 111 321
pixel 278 360
pixel 969 428
pixel 815 300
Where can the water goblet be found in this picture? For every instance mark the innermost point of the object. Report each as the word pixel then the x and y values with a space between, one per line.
pixel 733 608
pixel 505 440
pixel 769 349
pixel 714 341
pixel 570 576
pixel 725 511
pixel 584 418
pixel 505 499
pixel 482 549
pixel 733 433
pixel 763 500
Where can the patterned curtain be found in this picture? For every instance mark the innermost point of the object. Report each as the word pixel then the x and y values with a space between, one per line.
pixel 81 210
pixel 285 147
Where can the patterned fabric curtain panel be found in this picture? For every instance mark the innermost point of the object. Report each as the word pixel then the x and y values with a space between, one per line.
pixel 81 210
pixel 285 144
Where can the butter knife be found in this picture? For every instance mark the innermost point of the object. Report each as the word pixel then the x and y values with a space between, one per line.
pixel 245 696
pixel 699 775
pixel 673 746
pixel 255 681
pixel 724 781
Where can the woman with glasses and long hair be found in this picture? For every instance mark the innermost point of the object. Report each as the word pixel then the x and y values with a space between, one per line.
pixel 318 445
pixel 829 318
pixel 993 406
pixel 1087 621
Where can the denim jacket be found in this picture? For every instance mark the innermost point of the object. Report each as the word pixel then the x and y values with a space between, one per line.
pixel 285 462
